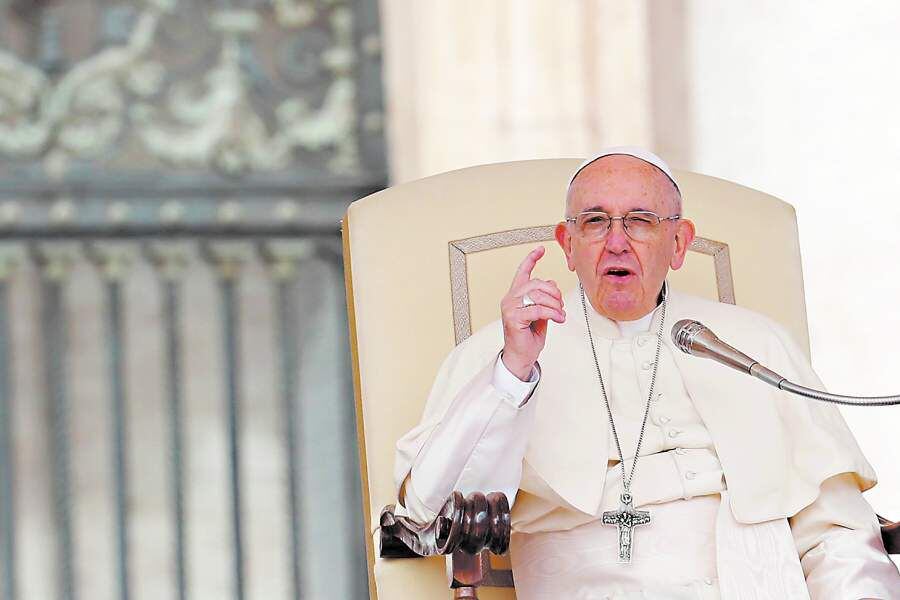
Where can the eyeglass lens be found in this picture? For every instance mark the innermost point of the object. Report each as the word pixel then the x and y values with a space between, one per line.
pixel 638 225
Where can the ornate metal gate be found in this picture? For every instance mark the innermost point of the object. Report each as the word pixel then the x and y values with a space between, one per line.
pixel 175 400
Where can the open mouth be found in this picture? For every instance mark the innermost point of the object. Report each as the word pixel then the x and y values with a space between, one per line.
pixel 618 273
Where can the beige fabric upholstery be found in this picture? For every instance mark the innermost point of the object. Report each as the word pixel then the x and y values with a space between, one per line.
pixel 427 262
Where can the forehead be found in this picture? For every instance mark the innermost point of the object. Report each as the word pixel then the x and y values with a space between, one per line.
pixel 621 183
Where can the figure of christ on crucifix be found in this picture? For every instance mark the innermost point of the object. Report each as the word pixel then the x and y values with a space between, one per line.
pixel 626 518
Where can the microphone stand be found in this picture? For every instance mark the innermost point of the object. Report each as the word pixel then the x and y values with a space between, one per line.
pixel 800 390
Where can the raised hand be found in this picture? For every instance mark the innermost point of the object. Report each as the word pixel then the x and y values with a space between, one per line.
pixel 525 327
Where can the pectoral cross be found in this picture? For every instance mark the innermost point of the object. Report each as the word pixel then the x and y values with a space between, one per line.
pixel 626 518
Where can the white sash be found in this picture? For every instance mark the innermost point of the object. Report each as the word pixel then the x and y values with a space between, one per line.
pixel 757 561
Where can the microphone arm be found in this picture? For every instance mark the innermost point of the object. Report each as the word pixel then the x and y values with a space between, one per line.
pixel 692 337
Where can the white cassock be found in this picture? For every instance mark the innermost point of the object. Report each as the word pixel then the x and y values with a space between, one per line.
pixel 753 493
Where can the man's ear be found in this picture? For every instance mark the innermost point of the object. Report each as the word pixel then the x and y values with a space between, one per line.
pixel 564 239
pixel 684 235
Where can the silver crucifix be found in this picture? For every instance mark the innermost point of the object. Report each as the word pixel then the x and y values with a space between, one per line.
pixel 626 518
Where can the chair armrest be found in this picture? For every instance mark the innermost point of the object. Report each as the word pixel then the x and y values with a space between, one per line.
pixel 890 535
pixel 466 529
pixel 470 525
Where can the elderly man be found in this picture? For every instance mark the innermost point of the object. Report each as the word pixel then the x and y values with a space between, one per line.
pixel 638 471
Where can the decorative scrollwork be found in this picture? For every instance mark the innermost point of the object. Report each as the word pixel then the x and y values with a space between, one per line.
pixel 280 89
pixel 469 525
pixel 81 112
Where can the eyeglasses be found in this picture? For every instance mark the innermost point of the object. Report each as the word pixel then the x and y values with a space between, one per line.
pixel 640 225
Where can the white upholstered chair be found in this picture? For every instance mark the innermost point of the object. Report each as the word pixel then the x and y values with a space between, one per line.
pixel 427 262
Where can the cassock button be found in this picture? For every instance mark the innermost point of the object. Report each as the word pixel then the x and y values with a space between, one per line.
pixel 708 581
pixel 659 396
pixel 674 433
pixel 646 366
pixel 642 341
pixel 664 419
pixel 690 475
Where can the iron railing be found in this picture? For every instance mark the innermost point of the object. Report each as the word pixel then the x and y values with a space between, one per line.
pixel 283 277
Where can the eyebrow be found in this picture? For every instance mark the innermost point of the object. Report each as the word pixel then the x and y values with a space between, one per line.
pixel 601 209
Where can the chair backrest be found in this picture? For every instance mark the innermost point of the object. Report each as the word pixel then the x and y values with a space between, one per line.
pixel 426 263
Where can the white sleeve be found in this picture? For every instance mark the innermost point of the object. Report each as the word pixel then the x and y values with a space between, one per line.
pixel 478 445
pixel 838 539
pixel 506 382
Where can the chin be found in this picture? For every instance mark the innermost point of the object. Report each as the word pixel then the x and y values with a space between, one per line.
pixel 618 305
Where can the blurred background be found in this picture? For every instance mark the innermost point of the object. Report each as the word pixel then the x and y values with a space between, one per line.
pixel 176 411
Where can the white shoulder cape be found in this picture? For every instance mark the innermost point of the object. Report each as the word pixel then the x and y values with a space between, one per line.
pixel 775 448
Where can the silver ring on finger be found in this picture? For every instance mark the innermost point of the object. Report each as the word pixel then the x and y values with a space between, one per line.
pixel 527 301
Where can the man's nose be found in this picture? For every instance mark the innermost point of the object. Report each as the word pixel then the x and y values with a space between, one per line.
pixel 616 238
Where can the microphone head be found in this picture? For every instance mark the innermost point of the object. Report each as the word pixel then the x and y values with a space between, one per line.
pixel 684 332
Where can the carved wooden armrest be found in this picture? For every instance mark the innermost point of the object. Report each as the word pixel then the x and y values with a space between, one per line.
pixel 465 528
pixel 890 535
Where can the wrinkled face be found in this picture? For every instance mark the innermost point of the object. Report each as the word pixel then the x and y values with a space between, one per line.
pixel 622 277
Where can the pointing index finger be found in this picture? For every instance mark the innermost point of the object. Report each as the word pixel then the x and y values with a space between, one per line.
pixel 523 273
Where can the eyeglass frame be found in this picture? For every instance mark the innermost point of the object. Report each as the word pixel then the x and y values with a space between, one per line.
pixel 622 218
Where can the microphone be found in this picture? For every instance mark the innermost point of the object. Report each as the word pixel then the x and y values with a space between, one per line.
pixel 694 338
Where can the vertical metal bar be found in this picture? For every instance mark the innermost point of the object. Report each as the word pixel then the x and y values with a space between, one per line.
pixel 232 382
pixel 284 257
pixel 54 349
pixel 7 493
pixel 287 342
pixel 173 346
pixel 113 260
pixel 116 349
pixel 170 260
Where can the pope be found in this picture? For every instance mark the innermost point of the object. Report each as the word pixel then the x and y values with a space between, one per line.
pixel 635 471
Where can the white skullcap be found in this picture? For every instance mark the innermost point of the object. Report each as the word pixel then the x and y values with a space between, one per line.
pixel 640 153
